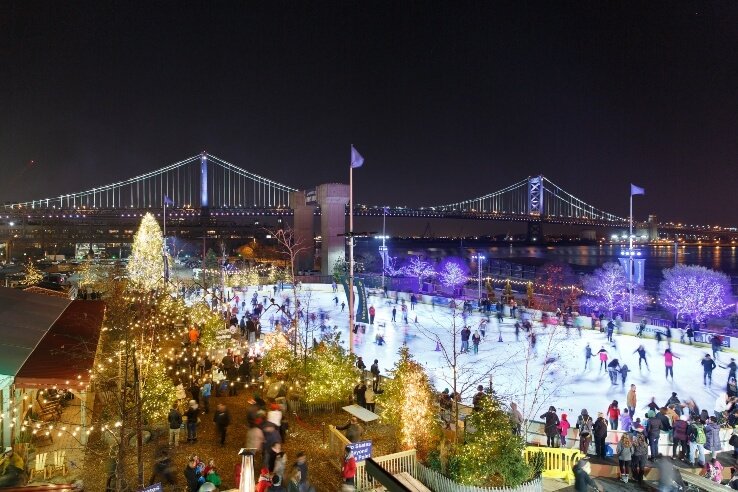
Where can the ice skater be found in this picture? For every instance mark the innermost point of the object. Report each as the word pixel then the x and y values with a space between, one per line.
pixel 641 357
pixel 669 363
pixel 708 365
pixel 587 354
pixel 603 358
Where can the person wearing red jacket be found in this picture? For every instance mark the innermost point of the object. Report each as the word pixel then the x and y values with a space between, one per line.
pixel 348 471
pixel 613 413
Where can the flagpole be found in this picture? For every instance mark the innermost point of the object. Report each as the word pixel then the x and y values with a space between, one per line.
pixel 351 258
pixel 630 261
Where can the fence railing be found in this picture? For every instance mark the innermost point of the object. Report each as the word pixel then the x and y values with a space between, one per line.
pixel 337 442
pixel 404 461
pixel 296 405
pixel 438 483
pixel 558 462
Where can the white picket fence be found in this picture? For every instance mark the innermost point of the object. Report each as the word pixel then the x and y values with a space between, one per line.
pixel 438 483
pixel 406 461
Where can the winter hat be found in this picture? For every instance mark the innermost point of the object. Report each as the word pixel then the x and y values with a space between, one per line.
pixel 563 416
pixel 651 414
pixel 673 394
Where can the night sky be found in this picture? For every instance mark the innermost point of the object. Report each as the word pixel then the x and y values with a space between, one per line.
pixel 445 100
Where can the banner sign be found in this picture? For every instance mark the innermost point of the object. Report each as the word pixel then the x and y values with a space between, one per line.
pixel 362 450
pixel 704 337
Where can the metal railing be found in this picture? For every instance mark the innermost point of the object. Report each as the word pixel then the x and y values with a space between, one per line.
pixel 404 461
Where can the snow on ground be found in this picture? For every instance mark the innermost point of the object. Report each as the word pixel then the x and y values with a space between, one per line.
pixel 529 381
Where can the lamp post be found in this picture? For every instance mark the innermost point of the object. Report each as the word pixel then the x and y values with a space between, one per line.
pixel 480 260
pixel 383 247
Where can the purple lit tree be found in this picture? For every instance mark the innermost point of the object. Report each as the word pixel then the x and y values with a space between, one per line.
pixel 419 269
pixel 607 290
pixel 694 292
pixel 391 269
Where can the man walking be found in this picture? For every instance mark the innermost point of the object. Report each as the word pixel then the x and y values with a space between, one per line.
pixel 222 420
pixel 372 312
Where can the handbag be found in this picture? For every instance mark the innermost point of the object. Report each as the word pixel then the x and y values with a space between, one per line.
pixel 733 441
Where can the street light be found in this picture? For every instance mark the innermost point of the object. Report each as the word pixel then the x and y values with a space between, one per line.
pixel 480 259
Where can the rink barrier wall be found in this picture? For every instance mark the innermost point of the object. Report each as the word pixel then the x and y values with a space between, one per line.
pixel 558 462
pixel 535 436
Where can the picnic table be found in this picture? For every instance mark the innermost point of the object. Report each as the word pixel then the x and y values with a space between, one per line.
pixel 361 413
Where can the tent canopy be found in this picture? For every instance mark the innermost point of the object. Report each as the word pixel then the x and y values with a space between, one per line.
pixel 46 340
pixel 24 320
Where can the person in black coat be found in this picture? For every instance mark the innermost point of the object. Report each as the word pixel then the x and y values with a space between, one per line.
pixel 192 476
pixel 551 425
pixel 222 420
pixel 600 435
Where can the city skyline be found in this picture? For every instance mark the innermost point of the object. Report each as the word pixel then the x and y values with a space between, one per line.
pixel 474 96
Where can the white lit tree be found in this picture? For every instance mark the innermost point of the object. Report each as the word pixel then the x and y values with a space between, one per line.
pixel 452 275
pixel 146 264
pixel 391 269
pixel 694 292
pixel 419 269
pixel 607 290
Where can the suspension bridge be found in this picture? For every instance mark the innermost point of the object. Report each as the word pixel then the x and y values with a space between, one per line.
pixel 207 182
pixel 205 197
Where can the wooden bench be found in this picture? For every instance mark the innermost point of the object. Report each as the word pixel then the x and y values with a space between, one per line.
pixel 701 483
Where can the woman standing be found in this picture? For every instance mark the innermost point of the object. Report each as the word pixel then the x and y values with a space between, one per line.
pixel 640 455
pixel 585 433
pixel 613 414
pixel 551 426
pixel 625 454
pixel 600 435
pixel 475 341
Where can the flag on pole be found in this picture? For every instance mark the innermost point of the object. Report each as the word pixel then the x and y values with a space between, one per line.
pixel 636 190
pixel 168 201
pixel 356 159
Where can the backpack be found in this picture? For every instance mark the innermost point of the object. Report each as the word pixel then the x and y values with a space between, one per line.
pixel 698 436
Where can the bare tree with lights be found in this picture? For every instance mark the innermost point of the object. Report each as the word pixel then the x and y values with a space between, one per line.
pixel 419 269
pixel 607 290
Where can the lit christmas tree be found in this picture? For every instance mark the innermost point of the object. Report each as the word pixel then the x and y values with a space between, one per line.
pixel 694 292
pixel 157 393
pixel 278 358
pixel 419 269
pixel 146 264
pixel 331 375
pixel 33 275
pixel 409 404
pixel 492 455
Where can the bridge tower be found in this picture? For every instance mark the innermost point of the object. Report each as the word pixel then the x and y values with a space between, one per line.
pixel 204 181
pixel 535 208
pixel 332 198
pixel 303 205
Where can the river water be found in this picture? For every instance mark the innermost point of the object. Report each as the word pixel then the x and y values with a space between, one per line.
pixel 582 258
